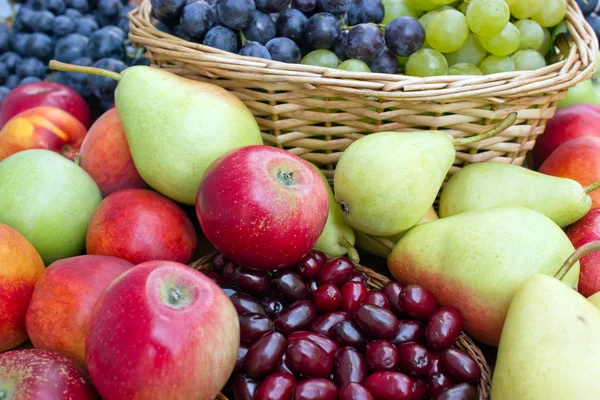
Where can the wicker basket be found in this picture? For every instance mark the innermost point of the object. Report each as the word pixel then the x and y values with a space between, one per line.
pixel 317 112
pixel 377 281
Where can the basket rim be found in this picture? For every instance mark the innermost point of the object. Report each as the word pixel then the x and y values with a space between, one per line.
pixel 376 281
pixel 578 65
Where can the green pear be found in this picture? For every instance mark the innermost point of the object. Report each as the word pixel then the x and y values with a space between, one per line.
pixel 49 200
pixel 595 299
pixel 549 344
pixel 476 261
pixel 385 182
pixel 486 185
pixel 373 246
pixel 337 238
pixel 176 127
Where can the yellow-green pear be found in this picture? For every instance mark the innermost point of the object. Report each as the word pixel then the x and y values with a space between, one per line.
pixel 595 299
pixel 486 185
pixel 370 245
pixel 385 182
pixel 475 261
pixel 550 344
pixel 337 238
pixel 176 127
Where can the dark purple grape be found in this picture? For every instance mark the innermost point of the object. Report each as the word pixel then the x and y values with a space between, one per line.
pixel 437 383
pixel 254 326
pixel 404 36
pixel 385 63
pixel 290 286
pixel 284 50
pixel 353 294
pixel 443 328
pixel 213 276
pixel 229 270
pixel 336 272
pixel 309 359
pixel 272 305
pixel 312 286
pixel 364 42
pixel 71 47
pixel 321 31
pixel 178 31
pixel 197 18
pixel 390 385
pixel 290 24
pixel 63 25
pixel 460 366
pixel 3 92
pixel 418 302
pixel 31 67
pixel 40 46
pixel 261 28
pixel 244 387
pixel 434 363
pixel 167 11
pixel 323 341
pixel 377 322
pixel 221 38
pixel 347 333
pixel 245 304
pixel 44 22
pixel 283 367
pixel 296 317
pixel 306 6
pixel 235 14
pixel 409 330
pixel 381 356
pixel 327 298
pixel 356 276
pixel 365 11
pixel 255 49
pixel 85 26
pixel 310 265
pixel 80 5
pixel 355 391
pixel 325 324
pixel 107 12
pixel 272 6
pixel 218 262
pixel 349 367
pixel 376 298
pixel 241 355
pixel 107 42
pixel 334 6
pixel 56 7
pixel 414 358
pixel 278 386
pixel 462 391
pixel 265 354
pixel 12 82
pixel 10 60
pixel 252 281
pixel 419 389
pixel 315 389
pixel 228 289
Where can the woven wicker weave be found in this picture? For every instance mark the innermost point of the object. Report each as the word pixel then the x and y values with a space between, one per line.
pixel 377 281
pixel 318 112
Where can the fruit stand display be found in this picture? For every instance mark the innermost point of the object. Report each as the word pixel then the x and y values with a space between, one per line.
pixel 299 200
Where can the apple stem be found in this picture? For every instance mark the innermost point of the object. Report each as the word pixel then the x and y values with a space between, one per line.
pixel 388 244
pixel 592 187
pixel 60 66
pixel 591 247
pixel 501 127
pixel 352 253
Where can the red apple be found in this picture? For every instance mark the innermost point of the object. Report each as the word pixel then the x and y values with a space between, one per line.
pixel 105 155
pixel 162 330
pixel 50 94
pixel 139 225
pixel 35 374
pixel 20 268
pixel 262 207
pixel 568 123
pixel 47 128
pixel 577 159
pixel 60 310
pixel 581 232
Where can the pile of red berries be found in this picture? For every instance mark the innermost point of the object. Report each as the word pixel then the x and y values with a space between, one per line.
pixel 315 331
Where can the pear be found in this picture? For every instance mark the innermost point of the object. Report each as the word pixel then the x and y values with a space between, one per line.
pixel 372 245
pixel 595 299
pixel 385 182
pixel 176 127
pixel 550 345
pixel 475 261
pixel 486 185
pixel 337 238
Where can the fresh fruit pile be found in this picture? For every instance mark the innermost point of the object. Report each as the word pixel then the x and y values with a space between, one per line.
pixel 414 37
pixel 82 32
pixel 315 331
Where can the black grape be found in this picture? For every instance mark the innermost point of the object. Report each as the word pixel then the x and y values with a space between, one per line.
pixel 197 18
pixel 364 42
pixel 322 30
pixel 63 25
pixel 291 24
pixel 404 36
pixel 271 6
pixel 334 6
pixel 306 6
pixel 222 38
pixel 39 45
pixel 167 11
pixel 71 47
pixel 261 28
pixel 255 49
pixel 235 14
pixel 31 67
pixel 284 50
pixel 4 38
pixel 103 87
pixel 364 11
pixel 385 63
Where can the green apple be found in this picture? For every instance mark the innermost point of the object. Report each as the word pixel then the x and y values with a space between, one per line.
pixel 586 92
pixel 49 200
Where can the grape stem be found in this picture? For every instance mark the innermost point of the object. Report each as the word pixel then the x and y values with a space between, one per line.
pixel 60 66
pixel 588 248
pixel 501 127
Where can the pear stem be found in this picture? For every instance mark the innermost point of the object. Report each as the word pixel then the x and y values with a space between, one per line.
pixel 352 253
pixel 501 127
pixel 60 66
pixel 591 247
pixel 388 244
pixel 592 187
